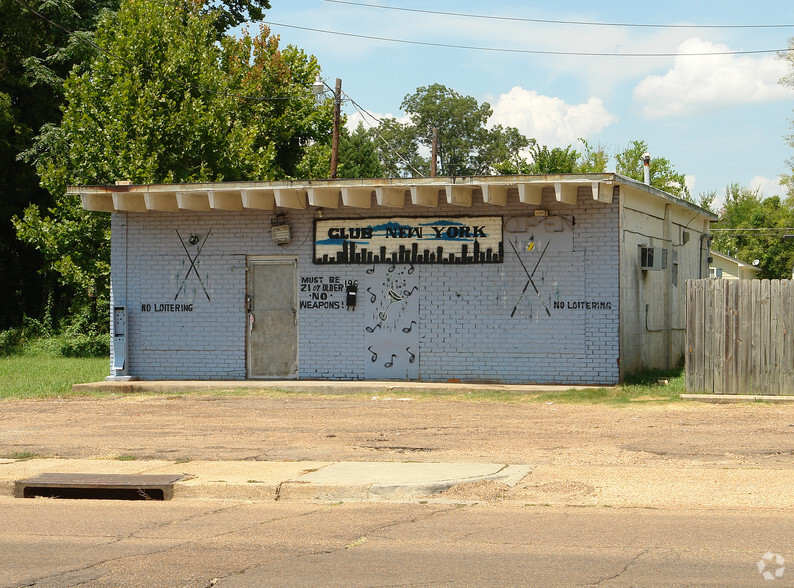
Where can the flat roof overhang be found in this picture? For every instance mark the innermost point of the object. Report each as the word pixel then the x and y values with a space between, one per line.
pixel 357 193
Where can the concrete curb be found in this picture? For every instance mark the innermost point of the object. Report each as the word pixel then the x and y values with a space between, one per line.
pixel 313 387
pixel 285 481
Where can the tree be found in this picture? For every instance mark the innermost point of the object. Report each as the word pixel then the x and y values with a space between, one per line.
pixel 162 101
pixel 460 121
pixel 358 156
pixel 465 145
pixel 506 149
pixel 553 161
pixel 231 13
pixel 593 159
pixel 747 209
pixel 40 42
pixel 35 56
pixel 663 175
pixel 397 147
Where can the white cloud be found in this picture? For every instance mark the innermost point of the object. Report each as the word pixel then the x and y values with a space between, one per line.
pixel 551 121
pixel 701 82
pixel 768 187
pixel 690 181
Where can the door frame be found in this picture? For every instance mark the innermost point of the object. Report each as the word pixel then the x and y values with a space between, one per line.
pixel 273 260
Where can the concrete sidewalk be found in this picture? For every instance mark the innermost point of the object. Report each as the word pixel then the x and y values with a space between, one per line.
pixel 297 481
pixel 609 486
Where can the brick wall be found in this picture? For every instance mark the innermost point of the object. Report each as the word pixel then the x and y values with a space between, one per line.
pixel 182 278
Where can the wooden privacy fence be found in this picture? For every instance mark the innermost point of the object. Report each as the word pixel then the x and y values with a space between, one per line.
pixel 740 336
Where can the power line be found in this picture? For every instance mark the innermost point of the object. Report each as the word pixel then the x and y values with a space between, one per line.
pixel 364 112
pixel 96 47
pixel 566 22
pixel 523 51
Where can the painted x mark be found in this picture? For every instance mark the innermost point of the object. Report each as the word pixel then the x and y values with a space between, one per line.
pixel 192 267
pixel 529 278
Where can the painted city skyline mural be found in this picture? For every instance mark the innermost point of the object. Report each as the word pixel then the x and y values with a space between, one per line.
pixel 413 240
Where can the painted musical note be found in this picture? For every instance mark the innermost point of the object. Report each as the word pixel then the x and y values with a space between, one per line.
pixel 392 268
pixel 371 270
pixel 412 357
pixel 409 327
pixel 411 269
pixel 372 330
pixel 374 355
pixel 371 293
pixel 390 363
pixel 411 291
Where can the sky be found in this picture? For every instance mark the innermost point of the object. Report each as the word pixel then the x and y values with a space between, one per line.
pixel 719 119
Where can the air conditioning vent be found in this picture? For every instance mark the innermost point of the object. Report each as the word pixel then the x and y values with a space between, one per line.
pixel 653 258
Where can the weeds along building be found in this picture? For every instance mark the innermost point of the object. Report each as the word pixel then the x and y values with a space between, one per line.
pixel 572 279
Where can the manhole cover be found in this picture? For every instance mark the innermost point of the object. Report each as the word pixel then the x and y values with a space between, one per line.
pixel 99 486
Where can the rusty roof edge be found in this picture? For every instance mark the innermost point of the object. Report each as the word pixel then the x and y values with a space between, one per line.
pixel 664 195
pixel 341 183
pixel 607 177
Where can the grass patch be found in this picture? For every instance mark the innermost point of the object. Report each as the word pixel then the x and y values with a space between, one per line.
pixel 127 458
pixel 21 455
pixel 641 388
pixel 43 376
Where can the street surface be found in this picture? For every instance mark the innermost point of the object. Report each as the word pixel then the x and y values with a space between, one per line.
pixel 688 494
pixel 46 542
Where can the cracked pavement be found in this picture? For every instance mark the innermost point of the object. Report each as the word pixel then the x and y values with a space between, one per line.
pixel 49 543
pixel 549 530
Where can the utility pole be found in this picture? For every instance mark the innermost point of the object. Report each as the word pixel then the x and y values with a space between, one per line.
pixel 434 156
pixel 318 88
pixel 335 137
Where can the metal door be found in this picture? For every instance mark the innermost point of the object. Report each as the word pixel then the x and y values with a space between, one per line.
pixel 272 318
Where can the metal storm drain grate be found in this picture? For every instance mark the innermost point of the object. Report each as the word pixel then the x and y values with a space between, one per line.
pixel 99 486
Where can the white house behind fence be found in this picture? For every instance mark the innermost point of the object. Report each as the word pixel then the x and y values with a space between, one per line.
pixel 572 279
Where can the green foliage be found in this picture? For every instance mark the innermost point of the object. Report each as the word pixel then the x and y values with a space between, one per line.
pixel 505 150
pixel 460 121
pixel 36 337
pixel 553 161
pixel 358 156
pixel 161 101
pixel 397 146
pixel 35 57
pixel 231 13
pixel 706 201
pixel 593 160
pixel 747 209
pixel 465 146
pixel 11 341
pixel 663 175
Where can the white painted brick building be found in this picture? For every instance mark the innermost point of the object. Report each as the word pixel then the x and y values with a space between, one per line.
pixel 511 279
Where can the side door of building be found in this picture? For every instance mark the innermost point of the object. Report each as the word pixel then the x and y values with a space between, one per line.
pixel 272 318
